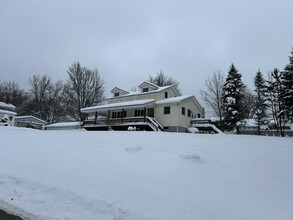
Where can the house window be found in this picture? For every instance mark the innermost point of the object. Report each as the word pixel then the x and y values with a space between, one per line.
pixel 139 112
pixel 119 114
pixel 183 111
pixel 166 95
pixel 198 115
pixel 167 110
pixel 145 89
pixel 116 94
pixel 189 113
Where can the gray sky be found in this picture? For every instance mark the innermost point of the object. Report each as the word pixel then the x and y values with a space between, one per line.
pixel 129 40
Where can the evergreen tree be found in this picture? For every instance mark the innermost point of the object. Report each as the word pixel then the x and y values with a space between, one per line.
pixel 261 100
pixel 233 98
pixel 287 87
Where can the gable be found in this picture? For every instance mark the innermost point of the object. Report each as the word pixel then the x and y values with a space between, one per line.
pixel 118 92
pixel 147 87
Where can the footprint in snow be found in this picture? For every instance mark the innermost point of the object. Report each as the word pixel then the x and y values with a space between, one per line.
pixel 191 157
pixel 133 149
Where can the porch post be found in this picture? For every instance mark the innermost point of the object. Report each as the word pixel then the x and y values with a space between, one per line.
pixel 144 114
pixel 122 114
pixel 96 116
pixel 108 117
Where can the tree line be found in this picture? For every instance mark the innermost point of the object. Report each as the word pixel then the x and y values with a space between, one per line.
pixel 232 101
pixel 56 101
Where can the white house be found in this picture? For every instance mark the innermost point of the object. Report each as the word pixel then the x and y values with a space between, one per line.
pixel 7 114
pixel 151 108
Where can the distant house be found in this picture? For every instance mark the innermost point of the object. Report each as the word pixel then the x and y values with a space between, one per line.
pixel 29 121
pixel 64 126
pixel 7 114
pixel 154 108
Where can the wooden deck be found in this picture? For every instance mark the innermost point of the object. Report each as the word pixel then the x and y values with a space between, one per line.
pixel 122 124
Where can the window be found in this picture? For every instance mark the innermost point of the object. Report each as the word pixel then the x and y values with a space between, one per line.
pixel 166 95
pixel 198 115
pixel 167 110
pixel 145 89
pixel 183 111
pixel 189 113
pixel 119 114
pixel 139 112
pixel 116 94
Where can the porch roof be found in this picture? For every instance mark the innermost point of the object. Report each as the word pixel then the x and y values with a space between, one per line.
pixel 120 105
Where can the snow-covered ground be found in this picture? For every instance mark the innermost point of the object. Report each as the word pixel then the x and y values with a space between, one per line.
pixel 145 175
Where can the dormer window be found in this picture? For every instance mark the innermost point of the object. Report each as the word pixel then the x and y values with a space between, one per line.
pixel 145 89
pixel 116 94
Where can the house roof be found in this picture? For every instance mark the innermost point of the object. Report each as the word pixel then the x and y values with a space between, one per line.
pixel 149 83
pixel 120 105
pixel 174 99
pixel 64 124
pixel 5 105
pixel 30 116
pixel 162 88
pixel 121 89
pixel 7 112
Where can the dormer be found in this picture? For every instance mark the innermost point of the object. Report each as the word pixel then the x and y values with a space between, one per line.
pixel 119 92
pixel 147 87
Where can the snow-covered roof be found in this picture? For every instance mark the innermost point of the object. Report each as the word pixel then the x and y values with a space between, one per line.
pixel 174 99
pixel 7 112
pixel 137 93
pixel 119 105
pixel 30 116
pixel 149 83
pixel 65 124
pixel 5 105
pixel 121 89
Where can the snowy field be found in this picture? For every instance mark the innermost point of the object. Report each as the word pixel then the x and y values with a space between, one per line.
pixel 78 175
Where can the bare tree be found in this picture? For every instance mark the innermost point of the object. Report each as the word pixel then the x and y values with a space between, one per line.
pixel 56 110
pixel 275 101
pixel 40 85
pixel 84 88
pixel 161 79
pixel 212 95
pixel 248 102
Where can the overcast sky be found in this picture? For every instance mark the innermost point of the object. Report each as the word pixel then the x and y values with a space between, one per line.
pixel 129 40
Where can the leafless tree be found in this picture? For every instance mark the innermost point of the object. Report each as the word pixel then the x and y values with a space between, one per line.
pixel 248 103
pixel 39 87
pixel 212 95
pixel 161 79
pixel 84 88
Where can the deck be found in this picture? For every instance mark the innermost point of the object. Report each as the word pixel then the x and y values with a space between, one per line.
pixel 122 124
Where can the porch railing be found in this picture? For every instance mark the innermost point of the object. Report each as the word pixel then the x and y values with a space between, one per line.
pixel 122 121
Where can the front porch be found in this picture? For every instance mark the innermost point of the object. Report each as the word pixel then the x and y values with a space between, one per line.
pixel 121 116
pixel 122 124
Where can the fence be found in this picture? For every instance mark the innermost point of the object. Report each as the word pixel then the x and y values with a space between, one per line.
pixel 288 133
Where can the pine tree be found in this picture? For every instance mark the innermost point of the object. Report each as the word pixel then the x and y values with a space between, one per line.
pixel 287 87
pixel 261 100
pixel 233 98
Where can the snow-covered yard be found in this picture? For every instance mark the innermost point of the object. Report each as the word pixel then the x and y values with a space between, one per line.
pixel 145 175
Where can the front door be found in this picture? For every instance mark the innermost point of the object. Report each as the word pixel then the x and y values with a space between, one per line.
pixel 151 112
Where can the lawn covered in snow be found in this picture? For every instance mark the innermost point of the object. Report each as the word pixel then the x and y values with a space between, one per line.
pixel 145 175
